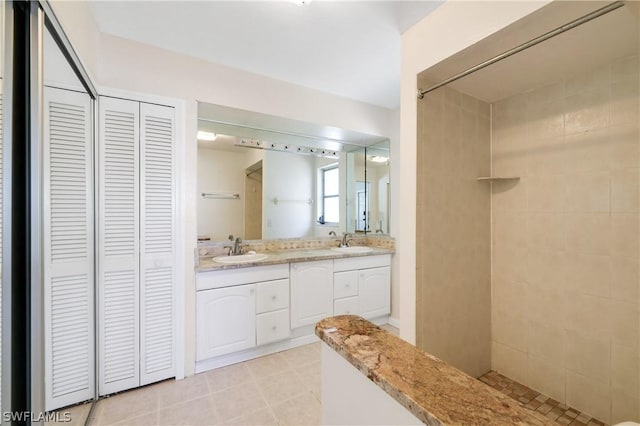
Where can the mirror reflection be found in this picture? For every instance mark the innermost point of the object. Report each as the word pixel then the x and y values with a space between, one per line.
pixel 265 183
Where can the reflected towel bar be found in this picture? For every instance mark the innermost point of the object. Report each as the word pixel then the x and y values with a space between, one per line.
pixel 276 200
pixel 223 195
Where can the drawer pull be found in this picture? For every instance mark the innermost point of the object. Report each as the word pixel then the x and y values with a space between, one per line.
pixel 274 328
pixel 273 297
pixel 347 285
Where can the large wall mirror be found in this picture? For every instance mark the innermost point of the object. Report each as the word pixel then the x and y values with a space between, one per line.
pixel 265 177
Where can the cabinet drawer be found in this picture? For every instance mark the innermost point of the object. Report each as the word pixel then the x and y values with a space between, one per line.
pixel 272 326
pixel 348 306
pixel 345 284
pixel 237 276
pixel 361 262
pixel 272 295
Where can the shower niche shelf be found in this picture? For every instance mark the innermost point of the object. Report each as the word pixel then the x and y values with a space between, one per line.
pixel 497 178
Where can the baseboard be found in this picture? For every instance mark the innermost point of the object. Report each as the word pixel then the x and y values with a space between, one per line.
pixel 394 322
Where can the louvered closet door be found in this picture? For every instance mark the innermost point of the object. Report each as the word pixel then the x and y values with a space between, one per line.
pixel 68 248
pixel 118 250
pixel 157 250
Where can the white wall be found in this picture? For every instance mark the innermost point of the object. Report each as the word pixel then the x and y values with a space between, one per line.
pixel 221 171
pixel 423 45
pixel 290 179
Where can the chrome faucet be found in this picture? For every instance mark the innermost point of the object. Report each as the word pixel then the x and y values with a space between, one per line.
pixel 346 237
pixel 237 246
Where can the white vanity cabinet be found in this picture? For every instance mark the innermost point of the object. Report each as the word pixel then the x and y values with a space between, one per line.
pixel 311 292
pixel 238 309
pixel 226 320
pixel 362 286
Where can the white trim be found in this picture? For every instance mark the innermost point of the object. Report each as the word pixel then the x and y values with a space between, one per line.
pixel 394 322
pixel 179 106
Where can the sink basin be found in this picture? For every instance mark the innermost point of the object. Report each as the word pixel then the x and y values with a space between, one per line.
pixel 353 249
pixel 241 258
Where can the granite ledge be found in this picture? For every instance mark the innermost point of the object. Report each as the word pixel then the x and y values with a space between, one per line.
pixel 432 390
pixel 288 256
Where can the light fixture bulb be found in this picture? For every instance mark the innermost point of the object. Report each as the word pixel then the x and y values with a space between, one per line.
pixel 379 159
pixel 206 136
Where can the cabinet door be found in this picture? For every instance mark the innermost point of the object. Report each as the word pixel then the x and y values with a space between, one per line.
pixel 157 243
pixel 118 250
pixel 374 287
pixel 68 248
pixel 311 292
pixel 226 320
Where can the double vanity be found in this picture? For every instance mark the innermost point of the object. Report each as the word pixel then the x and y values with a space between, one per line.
pixel 260 303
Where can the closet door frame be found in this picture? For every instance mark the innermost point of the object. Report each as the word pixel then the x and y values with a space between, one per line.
pixel 180 274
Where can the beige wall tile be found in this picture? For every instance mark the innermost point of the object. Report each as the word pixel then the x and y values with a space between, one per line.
pixel 509 196
pixel 589 80
pixel 546 230
pixel 588 233
pixel 587 356
pixel 510 362
pixel 625 190
pixel 625 279
pixel 587 274
pixel 588 315
pixel 545 269
pixel 546 120
pixel 588 192
pixel 625 103
pixel 625 324
pixel 623 146
pixel 587 151
pixel 547 156
pixel 510 263
pixel 546 193
pixel 625 228
pixel 509 296
pixel 625 369
pixel 588 396
pixel 509 330
pixel 546 343
pixel 546 378
pixel 510 228
pixel 545 306
pixel 549 92
pixel 587 110
pixel 625 69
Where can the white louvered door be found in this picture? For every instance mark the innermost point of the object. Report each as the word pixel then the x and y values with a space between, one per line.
pixel 157 259
pixel 118 245
pixel 68 248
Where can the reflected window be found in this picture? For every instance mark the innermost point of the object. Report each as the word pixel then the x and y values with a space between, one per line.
pixel 330 194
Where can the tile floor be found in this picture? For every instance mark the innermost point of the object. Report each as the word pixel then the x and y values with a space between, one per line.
pixel 535 401
pixel 277 389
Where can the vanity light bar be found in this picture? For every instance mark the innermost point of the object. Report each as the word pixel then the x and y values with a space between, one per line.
pixel 256 143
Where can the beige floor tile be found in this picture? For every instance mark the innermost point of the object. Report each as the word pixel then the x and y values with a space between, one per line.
pixel 310 376
pixel 301 410
pixel 225 377
pixel 302 355
pixel 269 365
pixel 262 417
pixel 195 412
pixel 150 419
pixel 75 415
pixel 176 391
pixel 281 387
pixel 237 401
pixel 126 405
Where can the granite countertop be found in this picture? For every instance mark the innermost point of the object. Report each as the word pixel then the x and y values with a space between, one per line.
pixel 432 390
pixel 287 256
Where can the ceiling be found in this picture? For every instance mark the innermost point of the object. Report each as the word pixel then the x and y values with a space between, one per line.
pixel 586 47
pixel 347 48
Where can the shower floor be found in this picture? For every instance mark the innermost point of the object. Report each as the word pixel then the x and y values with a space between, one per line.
pixel 535 401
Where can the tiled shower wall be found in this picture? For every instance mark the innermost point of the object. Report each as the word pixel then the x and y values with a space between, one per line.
pixel 565 241
pixel 453 230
